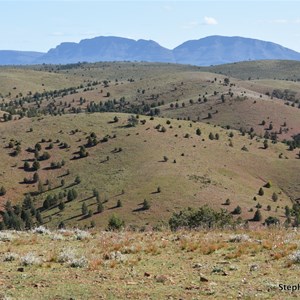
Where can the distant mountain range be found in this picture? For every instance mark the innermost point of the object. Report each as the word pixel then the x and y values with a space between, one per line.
pixel 212 50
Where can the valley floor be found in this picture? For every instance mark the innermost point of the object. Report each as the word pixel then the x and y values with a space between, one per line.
pixel 75 264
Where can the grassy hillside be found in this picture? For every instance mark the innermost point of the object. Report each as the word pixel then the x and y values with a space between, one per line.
pixel 169 90
pixel 132 163
pixel 261 69
pixel 149 265
pixel 162 161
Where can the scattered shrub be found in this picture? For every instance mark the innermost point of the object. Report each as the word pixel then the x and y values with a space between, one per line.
pixel 204 217
pixel 115 223
pixel 30 259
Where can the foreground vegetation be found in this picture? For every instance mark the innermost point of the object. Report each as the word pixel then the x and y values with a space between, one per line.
pixel 206 264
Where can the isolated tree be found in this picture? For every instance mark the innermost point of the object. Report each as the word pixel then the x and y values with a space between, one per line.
pixel 84 209
pixel 72 194
pixel 61 205
pixel 268 185
pixel 38 147
pixel 26 166
pixel 100 207
pixel 237 210
pixel 82 152
pixel 119 203
pixel 2 191
pixel 40 187
pixel 258 205
pixel 61 225
pixel 39 218
pixel 227 202
pixel 146 205
pixel 287 211
pixel 35 165
pixel 226 80
pixel 8 206
pixel 257 216
pixel 46 203
pixel 115 223
pixel 77 179
pixel 95 193
pixel 132 121
pixel 261 192
pixel 272 221
pixel 18 150
pixel 35 177
pixel 45 156
pixel 198 131
pixel 274 197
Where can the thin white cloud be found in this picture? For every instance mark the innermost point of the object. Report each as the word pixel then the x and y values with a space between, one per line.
pixel 167 8
pixel 280 21
pixel 190 25
pixel 210 21
pixel 57 34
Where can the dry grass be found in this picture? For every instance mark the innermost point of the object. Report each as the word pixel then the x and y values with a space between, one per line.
pixel 166 265
pixel 208 173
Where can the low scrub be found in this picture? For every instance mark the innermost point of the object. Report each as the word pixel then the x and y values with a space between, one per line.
pixel 205 217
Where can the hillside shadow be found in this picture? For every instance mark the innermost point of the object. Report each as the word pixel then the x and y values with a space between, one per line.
pixel 74 217
pixel 113 207
pixel 138 209
pixel 88 198
pixel 63 175
pixel 28 160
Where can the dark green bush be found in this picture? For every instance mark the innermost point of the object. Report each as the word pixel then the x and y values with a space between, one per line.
pixel 204 217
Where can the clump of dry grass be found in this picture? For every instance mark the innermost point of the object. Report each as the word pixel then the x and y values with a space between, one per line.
pixel 237 238
pixel 41 230
pixel 30 259
pixel 6 236
pixel 80 262
pixel 66 255
pixel 11 256
pixel 69 257
pixel 295 257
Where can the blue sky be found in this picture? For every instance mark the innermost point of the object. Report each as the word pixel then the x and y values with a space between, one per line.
pixel 41 25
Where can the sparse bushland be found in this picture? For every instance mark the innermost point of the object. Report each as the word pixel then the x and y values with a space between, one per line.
pixel 84 106
pixel 53 191
pixel 65 122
